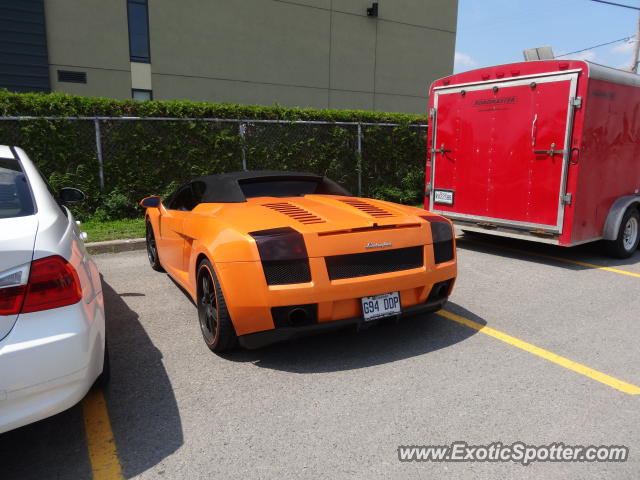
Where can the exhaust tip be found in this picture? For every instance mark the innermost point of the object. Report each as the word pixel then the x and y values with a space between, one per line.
pixel 294 315
pixel 298 316
pixel 439 291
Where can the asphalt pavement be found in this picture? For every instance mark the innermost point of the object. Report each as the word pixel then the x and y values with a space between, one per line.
pixel 339 405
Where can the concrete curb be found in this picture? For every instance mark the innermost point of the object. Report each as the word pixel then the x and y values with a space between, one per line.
pixel 115 246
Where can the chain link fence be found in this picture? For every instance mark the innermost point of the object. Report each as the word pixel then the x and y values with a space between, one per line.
pixel 136 157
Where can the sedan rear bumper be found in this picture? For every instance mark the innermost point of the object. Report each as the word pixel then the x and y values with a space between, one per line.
pixel 267 337
pixel 49 361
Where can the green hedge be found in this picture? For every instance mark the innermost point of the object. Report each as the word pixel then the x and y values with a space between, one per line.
pixel 153 157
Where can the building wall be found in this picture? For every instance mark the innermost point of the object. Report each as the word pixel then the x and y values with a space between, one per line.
pixel 89 36
pixel 308 53
pixel 23 46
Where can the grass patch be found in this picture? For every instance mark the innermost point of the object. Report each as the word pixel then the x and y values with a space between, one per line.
pixel 114 230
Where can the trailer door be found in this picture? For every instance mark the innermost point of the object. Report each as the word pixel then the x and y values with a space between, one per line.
pixel 499 151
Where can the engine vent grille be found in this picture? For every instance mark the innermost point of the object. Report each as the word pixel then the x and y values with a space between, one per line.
pixel 284 272
pixel 374 263
pixel 368 208
pixel 297 213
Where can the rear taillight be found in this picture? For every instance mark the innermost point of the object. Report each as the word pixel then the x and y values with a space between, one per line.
pixel 442 236
pixel 12 289
pixel 284 256
pixel 53 283
pixel 280 244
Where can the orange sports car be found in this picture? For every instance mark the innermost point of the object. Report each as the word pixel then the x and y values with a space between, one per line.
pixel 268 256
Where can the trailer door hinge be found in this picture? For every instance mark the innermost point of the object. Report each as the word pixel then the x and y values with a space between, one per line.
pixel 566 199
pixel 577 102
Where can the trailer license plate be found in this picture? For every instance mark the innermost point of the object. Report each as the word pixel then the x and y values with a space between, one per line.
pixel 379 306
pixel 444 197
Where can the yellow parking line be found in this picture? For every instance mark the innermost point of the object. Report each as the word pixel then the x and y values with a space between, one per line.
pixel 547 355
pixel 551 257
pixel 105 464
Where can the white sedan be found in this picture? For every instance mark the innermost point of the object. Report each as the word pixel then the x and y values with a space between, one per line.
pixel 52 332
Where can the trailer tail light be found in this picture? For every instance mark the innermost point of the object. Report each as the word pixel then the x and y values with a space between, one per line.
pixel 53 283
pixel 12 288
pixel 284 256
pixel 442 236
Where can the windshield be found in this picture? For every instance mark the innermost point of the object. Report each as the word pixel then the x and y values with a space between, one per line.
pixel 15 198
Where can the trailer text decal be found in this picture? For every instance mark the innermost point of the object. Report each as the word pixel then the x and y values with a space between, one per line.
pixel 484 102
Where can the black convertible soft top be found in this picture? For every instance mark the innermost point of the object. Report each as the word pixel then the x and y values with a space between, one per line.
pixel 228 187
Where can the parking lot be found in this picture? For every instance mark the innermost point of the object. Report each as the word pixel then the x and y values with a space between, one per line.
pixel 538 344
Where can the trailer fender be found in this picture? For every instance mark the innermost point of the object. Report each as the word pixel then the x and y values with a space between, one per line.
pixel 616 212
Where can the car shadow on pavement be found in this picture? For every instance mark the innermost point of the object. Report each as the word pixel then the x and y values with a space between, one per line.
pixel 348 350
pixel 142 407
pixel 51 448
pixel 593 253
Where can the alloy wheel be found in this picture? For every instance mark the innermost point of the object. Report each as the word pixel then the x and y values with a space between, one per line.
pixel 207 306
pixel 152 249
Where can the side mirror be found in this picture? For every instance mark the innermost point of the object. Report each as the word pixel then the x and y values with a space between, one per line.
pixel 150 202
pixel 71 195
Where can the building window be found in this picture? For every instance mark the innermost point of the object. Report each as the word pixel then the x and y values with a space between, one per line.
pixel 142 95
pixel 138 13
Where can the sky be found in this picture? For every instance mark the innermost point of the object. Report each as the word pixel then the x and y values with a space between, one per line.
pixel 493 32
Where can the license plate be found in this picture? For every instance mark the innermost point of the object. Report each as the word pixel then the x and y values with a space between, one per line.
pixel 379 306
pixel 444 197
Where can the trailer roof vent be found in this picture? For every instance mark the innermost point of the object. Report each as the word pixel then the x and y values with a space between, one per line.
pixel 71 76
pixel 538 53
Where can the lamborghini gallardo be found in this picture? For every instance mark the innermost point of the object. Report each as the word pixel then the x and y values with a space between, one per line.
pixel 268 256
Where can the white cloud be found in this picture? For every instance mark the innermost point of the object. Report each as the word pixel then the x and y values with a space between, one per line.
pixel 589 55
pixel 623 48
pixel 462 61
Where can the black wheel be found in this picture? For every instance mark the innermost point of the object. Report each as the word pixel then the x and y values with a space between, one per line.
pixel 152 249
pixel 628 236
pixel 103 379
pixel 215 322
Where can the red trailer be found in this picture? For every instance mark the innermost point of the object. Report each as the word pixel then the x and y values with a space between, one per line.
pixel 546 151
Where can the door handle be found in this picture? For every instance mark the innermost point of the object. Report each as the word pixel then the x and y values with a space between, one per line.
pixel 551 152
pixel 440 150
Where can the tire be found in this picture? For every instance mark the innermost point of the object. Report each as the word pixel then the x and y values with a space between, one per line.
pixel 152 249
pixel 628 237
pixel 103 379
pixel 215 322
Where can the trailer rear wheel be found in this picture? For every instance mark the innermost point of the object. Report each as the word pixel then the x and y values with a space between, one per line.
pixel 626 242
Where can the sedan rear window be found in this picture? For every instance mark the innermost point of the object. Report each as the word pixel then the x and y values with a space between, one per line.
pixel 15 197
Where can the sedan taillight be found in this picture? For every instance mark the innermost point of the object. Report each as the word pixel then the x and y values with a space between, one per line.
pixel 13 285
pixel 52 283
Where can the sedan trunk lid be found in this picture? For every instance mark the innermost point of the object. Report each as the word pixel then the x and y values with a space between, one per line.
pixel 17 238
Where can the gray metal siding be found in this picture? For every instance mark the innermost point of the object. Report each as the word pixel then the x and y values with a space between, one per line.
pixel 24 64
